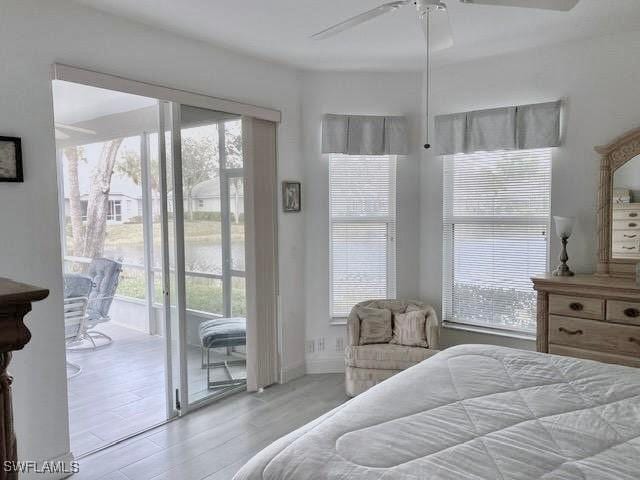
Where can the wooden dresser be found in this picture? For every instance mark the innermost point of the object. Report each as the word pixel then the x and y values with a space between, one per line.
pixel 589 316
pixel 15 303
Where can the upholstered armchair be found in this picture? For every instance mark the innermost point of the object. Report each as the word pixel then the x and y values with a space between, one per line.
pixel 368 365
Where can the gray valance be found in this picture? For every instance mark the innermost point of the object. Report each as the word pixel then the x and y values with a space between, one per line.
pixel 510 128
pixel 364 135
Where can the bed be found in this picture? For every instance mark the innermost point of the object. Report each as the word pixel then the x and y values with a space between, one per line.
pixel 473 412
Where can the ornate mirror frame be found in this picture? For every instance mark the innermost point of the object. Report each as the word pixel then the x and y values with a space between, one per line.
pixel 613 156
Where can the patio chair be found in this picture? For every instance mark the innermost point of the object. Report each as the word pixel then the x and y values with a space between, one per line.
pixel 76 297
pixel 105 274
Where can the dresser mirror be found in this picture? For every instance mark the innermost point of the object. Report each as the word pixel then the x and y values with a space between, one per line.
pixel 619 206
pixel 625 205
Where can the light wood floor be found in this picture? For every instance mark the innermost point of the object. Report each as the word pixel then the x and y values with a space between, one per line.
pixel 121 389
pixel 214 442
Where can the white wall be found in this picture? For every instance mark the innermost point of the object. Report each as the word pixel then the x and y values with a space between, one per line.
pixel 34 34
pixel 353 93
pixel 600 79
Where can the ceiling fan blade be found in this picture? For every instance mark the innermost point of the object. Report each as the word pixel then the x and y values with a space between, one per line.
pixel 75 129
pixel 358 19
pixel 560 5
pixel 440 36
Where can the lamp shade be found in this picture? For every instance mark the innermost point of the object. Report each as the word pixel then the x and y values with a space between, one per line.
pixel 564 226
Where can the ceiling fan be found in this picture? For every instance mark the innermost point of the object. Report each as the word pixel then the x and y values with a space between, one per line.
pixel 61 135
pixel 432 15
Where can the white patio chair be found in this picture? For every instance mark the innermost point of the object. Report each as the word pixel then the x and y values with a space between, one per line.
pixel 75 314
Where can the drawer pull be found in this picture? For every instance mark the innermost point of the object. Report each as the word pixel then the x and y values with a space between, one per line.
pixel 633 214
pixel 576 306
pixel 629 248
pixel 632 312
pixel 574 332
pixel 634 340
pixel 633 224
pixel 630 236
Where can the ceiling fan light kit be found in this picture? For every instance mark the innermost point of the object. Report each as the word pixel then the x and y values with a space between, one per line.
pixel 425 9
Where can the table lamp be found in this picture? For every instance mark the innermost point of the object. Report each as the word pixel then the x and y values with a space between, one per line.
pixel 564 229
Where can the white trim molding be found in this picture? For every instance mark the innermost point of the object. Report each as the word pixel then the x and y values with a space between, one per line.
pixel 69 73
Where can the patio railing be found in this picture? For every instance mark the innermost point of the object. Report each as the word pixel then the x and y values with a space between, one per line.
pixel 133 283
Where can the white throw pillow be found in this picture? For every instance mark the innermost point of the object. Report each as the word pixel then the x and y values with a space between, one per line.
pixel 375 325
pixel 409 329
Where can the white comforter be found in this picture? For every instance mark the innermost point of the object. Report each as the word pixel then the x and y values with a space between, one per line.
pixel 474 412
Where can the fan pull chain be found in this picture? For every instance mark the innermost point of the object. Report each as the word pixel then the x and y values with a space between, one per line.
pixel 427 32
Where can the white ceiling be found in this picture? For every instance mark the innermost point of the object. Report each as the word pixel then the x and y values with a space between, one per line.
pixel 74 103
pixel 279 30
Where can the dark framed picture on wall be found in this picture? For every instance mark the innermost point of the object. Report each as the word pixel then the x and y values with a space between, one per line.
pixel 10 159
pixel 291 196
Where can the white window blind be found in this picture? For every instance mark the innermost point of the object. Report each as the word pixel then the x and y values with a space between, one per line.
pixel 496 224
pixel 362 209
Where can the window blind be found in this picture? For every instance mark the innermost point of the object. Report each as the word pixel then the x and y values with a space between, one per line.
pixel 362 209
pixel 496 224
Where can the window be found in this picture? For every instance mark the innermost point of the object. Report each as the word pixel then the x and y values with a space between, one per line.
pixel 200 203
pixel 496 219
pixel 362 209
pixel 115 210
pixel 83 206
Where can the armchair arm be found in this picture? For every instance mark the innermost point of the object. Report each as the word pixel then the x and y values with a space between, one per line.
pixel 432 329
pixel 353 328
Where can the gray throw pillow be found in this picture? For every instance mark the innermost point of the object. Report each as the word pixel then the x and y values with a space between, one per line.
pixel 409 329
pixel 375 325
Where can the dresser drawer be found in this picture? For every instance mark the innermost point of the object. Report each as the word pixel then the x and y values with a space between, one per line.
pixel 623 312
pixel 594 335
pixel 633 225
pixel 582 307
pixel 625 236
pixel 624 214
pixel 627 247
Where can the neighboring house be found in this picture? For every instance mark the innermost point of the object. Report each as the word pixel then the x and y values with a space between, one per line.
pixel 205 197
pixel 125 199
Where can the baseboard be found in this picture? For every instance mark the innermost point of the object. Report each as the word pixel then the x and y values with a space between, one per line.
pixel 325 364
pixel 54 469
pixel 292 372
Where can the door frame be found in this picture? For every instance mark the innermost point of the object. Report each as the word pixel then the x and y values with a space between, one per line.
pixel 166 95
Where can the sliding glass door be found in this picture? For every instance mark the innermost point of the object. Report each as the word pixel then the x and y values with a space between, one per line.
pixel 152 198
pixel 204 217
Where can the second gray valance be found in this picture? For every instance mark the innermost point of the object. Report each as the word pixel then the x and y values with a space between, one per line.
pixel 510 128
pixel 364 135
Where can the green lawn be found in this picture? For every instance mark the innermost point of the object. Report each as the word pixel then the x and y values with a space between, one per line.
pixel 203 294
pixel 205 231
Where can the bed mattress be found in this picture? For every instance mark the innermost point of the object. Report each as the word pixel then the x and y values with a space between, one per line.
pixel 473 412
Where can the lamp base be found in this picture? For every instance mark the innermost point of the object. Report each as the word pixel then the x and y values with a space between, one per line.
pixel 562 270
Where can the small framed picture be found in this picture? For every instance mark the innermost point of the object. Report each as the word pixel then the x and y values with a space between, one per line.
pixel 10 159
pixel 291 196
